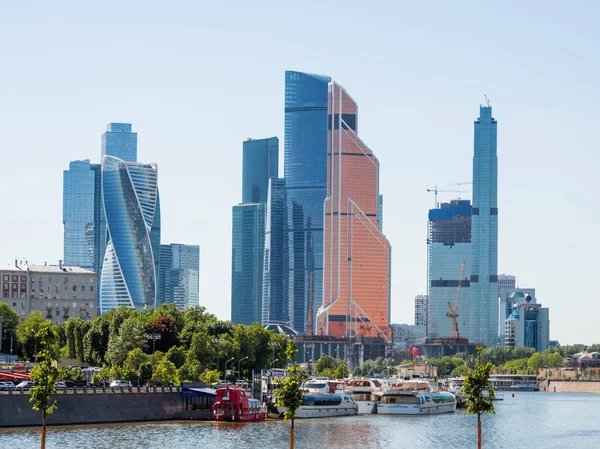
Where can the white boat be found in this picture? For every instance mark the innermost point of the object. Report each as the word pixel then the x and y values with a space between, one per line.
pixel 367 393
pixel 323 406
pixel 414 398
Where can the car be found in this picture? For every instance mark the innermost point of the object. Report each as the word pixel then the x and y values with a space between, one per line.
pixel 25 385
pixel 5 386
pixel 58 385
pixel 120 383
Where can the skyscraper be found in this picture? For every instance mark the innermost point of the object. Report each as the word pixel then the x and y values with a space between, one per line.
pixel 179 279
pixel 484 270
pixel 448 246
pixel 130 198
pixel 260 164
pixel 357 256
pixel 78 215
pixel 120 142
pixel 275 305
pixel 421 310
pixel 305 172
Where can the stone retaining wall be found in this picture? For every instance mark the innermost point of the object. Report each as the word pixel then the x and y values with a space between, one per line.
pixel 572 387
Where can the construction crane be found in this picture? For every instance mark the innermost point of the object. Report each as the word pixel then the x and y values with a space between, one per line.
pixel 435 190
pixel 452 312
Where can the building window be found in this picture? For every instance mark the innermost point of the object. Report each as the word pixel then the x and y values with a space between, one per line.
pixel 14 304
pixel 83 288
pixel 57 289
pixel 74 305
pixel 74 288
pixel 15 278
pixel 58 313
pixel 5 277
pixel 91 288
pixel 49 278
pixel 74 297
pixel 23 278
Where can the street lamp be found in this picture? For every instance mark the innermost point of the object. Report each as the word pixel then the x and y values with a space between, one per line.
pixel 239 371
pixel 153 336
pixel 217 340
pixel 34 345
pixel 273 345
pixel 226 368
pixel 12 334
pixel 273 362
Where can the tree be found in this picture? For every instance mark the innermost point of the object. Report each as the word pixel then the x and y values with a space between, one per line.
pixel 26 331
pixel 130 335
pixel 101 376
pixel 165 374
pixel 165 327
pixel 191 371
pixel 460 370
pixel 9 318
pixel 176 355
pixel 535 362
pixel 474 386
pixel 134 359
pixel 145 372
pixel 341 371
pixel 210 376
pixel 325 362
pixel 288 391
pixel 45 376
pixel 72 374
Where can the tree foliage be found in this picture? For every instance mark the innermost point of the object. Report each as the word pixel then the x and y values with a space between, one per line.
pixel 288 391
pixel 479 394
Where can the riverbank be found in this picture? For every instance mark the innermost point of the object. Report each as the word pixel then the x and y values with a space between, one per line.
pixel 570 387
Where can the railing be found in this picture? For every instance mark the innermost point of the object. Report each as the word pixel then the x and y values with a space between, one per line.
pixel 100 390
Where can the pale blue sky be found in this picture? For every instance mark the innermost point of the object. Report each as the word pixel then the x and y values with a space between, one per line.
pixel 197 78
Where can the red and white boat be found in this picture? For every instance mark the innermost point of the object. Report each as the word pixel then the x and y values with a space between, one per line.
pixel 232 404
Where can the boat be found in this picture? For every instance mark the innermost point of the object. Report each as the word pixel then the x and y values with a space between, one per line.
pixel 321 405
pixel 366 392
pixel 232 404
pixel 414 398
pixel 514 382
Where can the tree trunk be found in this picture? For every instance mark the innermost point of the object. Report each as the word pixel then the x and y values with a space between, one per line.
pixel 43 445
pixel 292 435
pixel 478 432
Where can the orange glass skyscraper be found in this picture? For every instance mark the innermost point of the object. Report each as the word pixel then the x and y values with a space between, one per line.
pixel 357 256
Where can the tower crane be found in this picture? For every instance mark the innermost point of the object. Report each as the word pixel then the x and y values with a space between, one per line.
pixel 435 190
pixel 452 313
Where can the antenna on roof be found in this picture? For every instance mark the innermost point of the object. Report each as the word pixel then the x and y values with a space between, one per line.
pixel 487 101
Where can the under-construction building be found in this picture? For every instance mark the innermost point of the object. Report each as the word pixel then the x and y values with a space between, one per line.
pixel 448 246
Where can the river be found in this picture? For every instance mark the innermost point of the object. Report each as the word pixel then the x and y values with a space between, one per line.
pixel 543 420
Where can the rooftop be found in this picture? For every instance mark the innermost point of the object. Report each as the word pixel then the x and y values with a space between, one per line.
pixel 44 269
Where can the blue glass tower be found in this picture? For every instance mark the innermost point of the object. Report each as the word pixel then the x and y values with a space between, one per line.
pixel 79 205
pixel 260 163
pixel 484 269
pixel 130 196
pixel 275 306
pixel 305 172
pixel 179 275
pixel 120 142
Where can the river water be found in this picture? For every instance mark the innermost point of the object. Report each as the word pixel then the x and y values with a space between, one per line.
pixel 542 420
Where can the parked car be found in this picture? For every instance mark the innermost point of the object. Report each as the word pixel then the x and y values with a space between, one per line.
pixel 5 386
pixel 25 385
pixel 58 385
pixel 120 383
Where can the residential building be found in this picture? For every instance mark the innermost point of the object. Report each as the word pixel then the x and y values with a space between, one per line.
pixel 405 335
pixel 78 215
pixel 260 164
pixel 448 247
pixel 305 172
pixel 130 196
pixel 357 256
pixel 58 291
pixel 529 323
pixel 484 234
pixel 421 305
pixel 505 307
pixel 275 305
pixel 120 142
pixel 179 279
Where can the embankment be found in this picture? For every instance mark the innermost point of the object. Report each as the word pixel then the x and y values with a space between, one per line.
pixel 572 387
pixel 102 406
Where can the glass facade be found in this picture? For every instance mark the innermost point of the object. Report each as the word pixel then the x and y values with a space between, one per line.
pixel 305 172
pixel 247 263
pixel 130 196
pixel 357 256
pixel 260 163
pixel 275 306
pixel 484 269
pixel 448 246
pixel 78 215
pixel 120 142
pixel 179 278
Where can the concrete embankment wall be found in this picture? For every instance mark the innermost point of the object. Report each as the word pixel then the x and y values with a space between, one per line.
pixel 15 409
pixel 572 387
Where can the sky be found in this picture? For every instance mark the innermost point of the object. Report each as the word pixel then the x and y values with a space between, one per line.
pixel 197 78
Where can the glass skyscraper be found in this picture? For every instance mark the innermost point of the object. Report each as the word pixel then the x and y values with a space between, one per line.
pixel 275 306
pixel 484 269
pixel 260 164
pixel 120 142
pixel 448 246
pixel 357 256
pixel 179 279
pixel 305 173
pixel 130 196
pixel 79 205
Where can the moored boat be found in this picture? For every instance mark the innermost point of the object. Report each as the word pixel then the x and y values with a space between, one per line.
pixel 414 398
pixel 366 394
pixel 232 404
pixel 322 405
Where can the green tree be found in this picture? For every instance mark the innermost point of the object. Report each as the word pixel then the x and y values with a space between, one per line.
pixel 165 374
pixel 72 374
pixel 210 377
pixel 555 360
pixel 95 340
pixel 177 355
pixel 102 375
pixel 116 373
pixel 45 376
pixel 26 334
pixel 476 382
pixel 130 335
pixel 535 362
pixel 460 370
pixel 190 372
pixel 9 318
pixel 341 371
pixel 135 358
pixel 145 372
pixel 288 391
pixel 325 362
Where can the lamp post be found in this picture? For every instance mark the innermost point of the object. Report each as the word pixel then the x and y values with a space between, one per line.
pixel 217 340
pixel 12 334
pixel 272 363
pixel 34 345
pixel 273 345
pixel 239 371
pixel 226 368
pixel 153 336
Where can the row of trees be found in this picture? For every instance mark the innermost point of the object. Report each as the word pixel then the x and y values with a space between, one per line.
pixel 165 345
